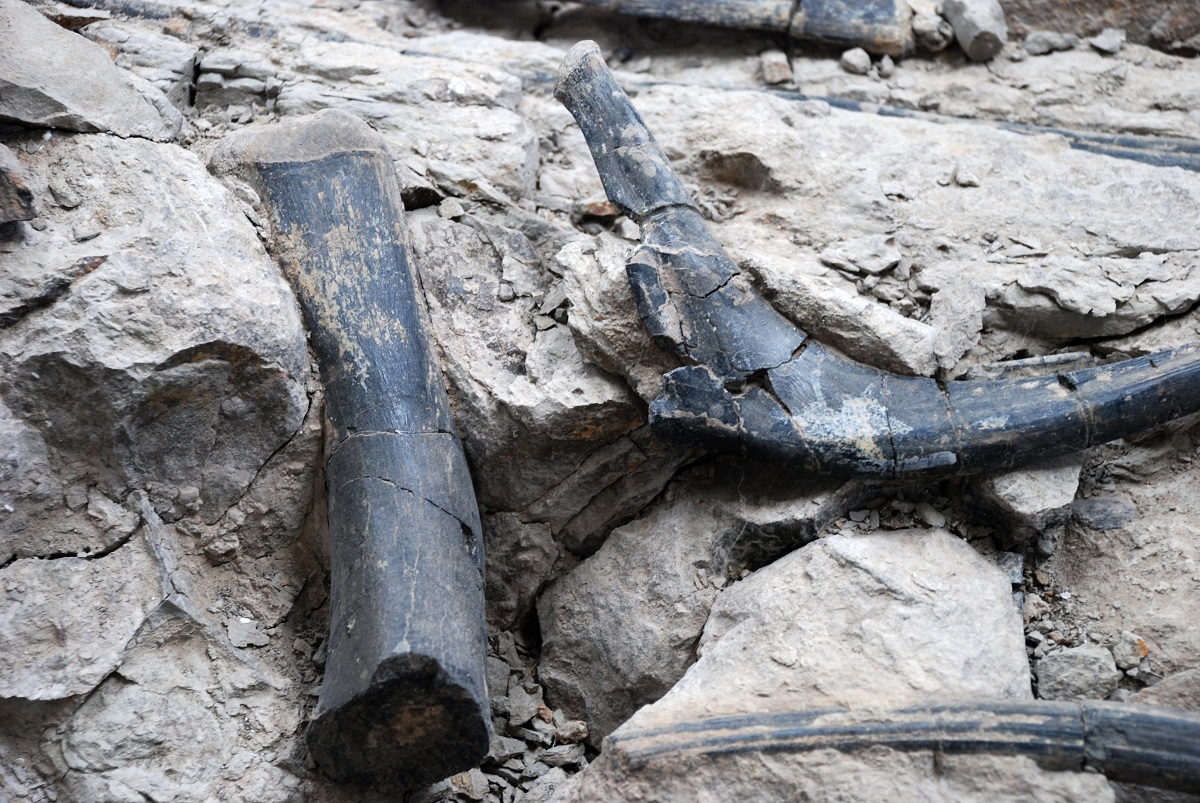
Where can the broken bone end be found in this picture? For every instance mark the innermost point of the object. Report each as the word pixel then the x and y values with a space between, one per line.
pixel 414 727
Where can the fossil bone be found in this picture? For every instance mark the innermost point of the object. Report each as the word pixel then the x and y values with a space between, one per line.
pixel 404 695
pixel 880 26
pixel 758 384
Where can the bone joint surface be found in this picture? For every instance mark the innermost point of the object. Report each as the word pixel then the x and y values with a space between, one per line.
pixel 757 384
pixel 404 695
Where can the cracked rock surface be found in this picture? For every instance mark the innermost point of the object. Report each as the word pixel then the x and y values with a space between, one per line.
pixel 163 559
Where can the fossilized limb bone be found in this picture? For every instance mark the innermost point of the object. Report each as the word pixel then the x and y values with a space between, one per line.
pixel 403 695
pixel 880 26
pixel 1130 743
pixel 758 384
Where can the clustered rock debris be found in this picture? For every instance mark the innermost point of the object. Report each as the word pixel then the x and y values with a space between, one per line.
pixel 164 614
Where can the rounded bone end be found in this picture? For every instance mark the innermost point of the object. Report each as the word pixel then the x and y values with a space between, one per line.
pixel 582 61
pixel 304 139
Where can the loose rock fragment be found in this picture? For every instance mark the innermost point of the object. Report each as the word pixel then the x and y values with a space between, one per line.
pixel 775 67
pixel 1108 41
pixel 979 26
pixel 1129 650
pixel 932 31
pixel 244 632
pixel 872 254
pixel 856 61
pixel 1077 673
pixel 1039 43
pixel 1034 499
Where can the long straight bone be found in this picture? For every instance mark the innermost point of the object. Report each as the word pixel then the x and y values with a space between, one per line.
pixel 880 26
pixel 759 385
pixel 403 696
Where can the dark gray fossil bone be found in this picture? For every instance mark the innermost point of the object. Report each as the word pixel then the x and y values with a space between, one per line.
pixel 1129 743
pixel 403 696
pixel 880 26
pixel 757 384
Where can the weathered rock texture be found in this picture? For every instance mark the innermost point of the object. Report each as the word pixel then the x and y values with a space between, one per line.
pixel 153 368
pixel 57 79
pixel 1172 25
pixel 622 628
pixel 903 617
pixel 153 371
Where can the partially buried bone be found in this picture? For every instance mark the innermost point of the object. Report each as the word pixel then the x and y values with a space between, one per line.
pixel 403 697
pixel 758 384
pixel 880 26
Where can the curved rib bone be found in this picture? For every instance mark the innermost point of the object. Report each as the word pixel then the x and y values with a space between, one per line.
pixel 758 384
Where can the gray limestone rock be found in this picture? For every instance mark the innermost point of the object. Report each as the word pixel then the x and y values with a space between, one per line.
pixel 621 628
pixel 856 61
pixel 163 60
pixel 455 125
pixel 1180 690
pixel 1039 43
pixel 53 78
pixel 1109 41
pixel 1030 500
pixel 520 558
pixel 829 309
pixel 956 312
pixel 604 318
pixel 848 621
pixel 509 379
pixel 205 376
pixel 979 26
pixel 1077 673
pixel 49 650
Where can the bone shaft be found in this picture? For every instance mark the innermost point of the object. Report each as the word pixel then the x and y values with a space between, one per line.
pixel 1129 743
pixel 403 696
pixel 635 172
pixel 758 385
pixel 879 26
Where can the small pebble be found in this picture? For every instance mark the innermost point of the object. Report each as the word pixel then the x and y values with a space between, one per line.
pixel 856 61
pixel 775 67
pixel 965 178
pixel 930 515
pixel 1041 43
pixel 88 230
pixel 1109 41
pixel 571 732
pixel 451 209
pixel 886 67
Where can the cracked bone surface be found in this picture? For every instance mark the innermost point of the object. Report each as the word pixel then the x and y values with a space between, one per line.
pixel 758 384
pixel 404 695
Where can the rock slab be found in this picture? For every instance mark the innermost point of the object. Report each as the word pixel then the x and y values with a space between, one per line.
pixel 903 617
pixel 53 78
